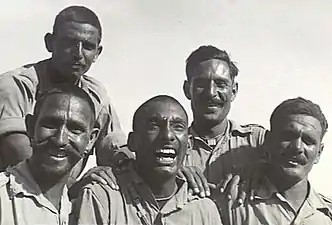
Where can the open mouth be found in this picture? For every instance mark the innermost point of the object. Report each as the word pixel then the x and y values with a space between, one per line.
pixel 59 154
pixel 166 155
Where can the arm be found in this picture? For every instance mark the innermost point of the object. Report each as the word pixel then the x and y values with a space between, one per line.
pixel 16 99
pixel 111 136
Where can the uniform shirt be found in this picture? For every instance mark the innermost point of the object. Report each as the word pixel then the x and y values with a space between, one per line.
pixel 98 204
pixel 22 202
pixel 20 88
pixel 270 207
pixel 236 151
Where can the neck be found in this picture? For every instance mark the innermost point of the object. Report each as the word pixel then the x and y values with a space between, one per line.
pixel 294 193
pixel 161 186
pixel 204 130
pixel 52 189
pixel 57 77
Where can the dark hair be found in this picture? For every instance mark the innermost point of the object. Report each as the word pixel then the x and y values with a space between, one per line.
pixel 204 53
pixel 159 98
pixel 295 106
pixel 66 89
pixel 79 14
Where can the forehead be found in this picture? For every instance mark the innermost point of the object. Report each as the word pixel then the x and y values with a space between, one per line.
pixel 212 68
pixel 77 30
pixel 58 105
pixel 163 109
pixel 301 123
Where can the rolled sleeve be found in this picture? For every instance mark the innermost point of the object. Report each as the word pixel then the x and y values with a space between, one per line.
pixel 16 99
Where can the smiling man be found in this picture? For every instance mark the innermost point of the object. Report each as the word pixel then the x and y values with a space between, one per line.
pixel 75 46
pixel 156 195
pixel 62 133
pixel 282 192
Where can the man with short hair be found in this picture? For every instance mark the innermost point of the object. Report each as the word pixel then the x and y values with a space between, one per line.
pixel 219 146
pixel 158 196
pixel 74 45
pixel 282 192
pixel 62 133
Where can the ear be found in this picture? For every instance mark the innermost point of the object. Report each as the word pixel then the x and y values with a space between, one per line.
pixel 48 39
pixel 99 50
pixel 235 89
pixel 30 122
pixel 186 89
pixel 133 142
pixel 93 137
pixel 319 153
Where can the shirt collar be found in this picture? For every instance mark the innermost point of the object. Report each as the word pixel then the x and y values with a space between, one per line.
pixel 21 182
pixel 233 128
pixel 267 190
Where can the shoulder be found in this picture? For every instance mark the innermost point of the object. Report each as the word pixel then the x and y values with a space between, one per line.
pixel 95 86
pixel 327 200
pixel 251 129
pixel 25 76
pixel 4 179
pixel 206 208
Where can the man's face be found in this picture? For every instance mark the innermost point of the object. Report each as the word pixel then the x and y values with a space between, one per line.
pixel 296 146
pixel 74 46
pixel 211 91
pixel 162 138
pixel 62 132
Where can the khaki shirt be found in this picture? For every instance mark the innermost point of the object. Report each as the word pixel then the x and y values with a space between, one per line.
pixel 20 88
pixel 99 204
pixel 270 207
pixel 22 200
pixel 237 151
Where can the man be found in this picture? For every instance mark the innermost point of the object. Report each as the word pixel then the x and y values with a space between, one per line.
pixel 62 133
pixel 158 196
pixel 283 194
pixel 74 45
pixel 219 146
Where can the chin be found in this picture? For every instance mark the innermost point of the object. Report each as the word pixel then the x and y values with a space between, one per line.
pixel 165 171
pixel 56 172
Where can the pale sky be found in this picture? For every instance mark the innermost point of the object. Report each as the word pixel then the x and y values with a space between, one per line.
pixel 282 48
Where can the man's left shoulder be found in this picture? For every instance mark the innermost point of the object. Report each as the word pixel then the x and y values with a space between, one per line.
pixel 96 87
pixel 327 200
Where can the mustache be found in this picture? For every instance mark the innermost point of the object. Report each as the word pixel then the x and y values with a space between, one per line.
pixel 300 158
pixel 49 144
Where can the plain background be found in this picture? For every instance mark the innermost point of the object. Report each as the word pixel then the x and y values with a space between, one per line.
pixel 282 48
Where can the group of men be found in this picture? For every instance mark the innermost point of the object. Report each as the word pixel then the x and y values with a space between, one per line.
pixel 215 171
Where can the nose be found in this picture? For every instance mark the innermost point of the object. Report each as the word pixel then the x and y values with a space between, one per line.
pixel 167 134
pixel 61 137
pixel 211 89
pixel 77 51
pixel 297 145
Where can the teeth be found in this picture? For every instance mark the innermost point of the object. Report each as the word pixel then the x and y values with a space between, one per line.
pixel 166 151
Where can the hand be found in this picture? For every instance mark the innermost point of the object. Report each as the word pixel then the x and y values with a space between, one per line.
pixel 196 180
pixel 99 174
pixel 234 189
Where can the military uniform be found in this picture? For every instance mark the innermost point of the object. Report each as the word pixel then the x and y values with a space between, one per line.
pixel 270 207
pixel 99 204
pixel 22 202
pixel 236 151
pixel 20 88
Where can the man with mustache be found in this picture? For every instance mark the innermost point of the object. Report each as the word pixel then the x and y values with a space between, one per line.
pixel 74 45
pixel 282 192
pixel 219 147
pixel 158 196
pixel 62 133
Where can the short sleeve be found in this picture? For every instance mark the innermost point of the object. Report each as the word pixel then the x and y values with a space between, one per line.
pixel 16 101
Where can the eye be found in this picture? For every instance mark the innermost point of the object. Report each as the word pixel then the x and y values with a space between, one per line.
pixel 178 126
pixel 89 46
pixel 152 126
pixel 221 84
pixel 308 140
